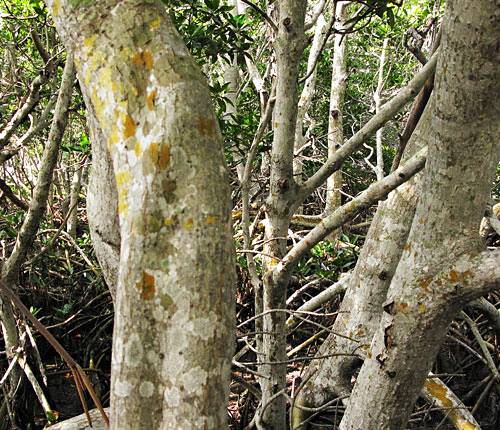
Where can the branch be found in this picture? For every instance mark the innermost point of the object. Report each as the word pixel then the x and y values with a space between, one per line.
pixel 437 392
pixel 41 191
pixel 375 192
pixel 11 196
pixel 386 113
pixel 30 103
pixel 263 14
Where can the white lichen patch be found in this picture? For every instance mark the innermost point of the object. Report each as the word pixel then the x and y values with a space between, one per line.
pixel 146 389
pixel 133 350
pixel 205 327
pixel 194 380
pixel 117 355
pixel 158 312
pixel 123 389
pixel 172 397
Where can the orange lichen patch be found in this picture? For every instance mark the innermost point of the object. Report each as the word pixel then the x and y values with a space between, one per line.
pixel 129 125
pixel 401 307
pixel 151 97
pixel 164 156
pixel 189 224
pixel 205 126
pixel 407 247
pixel 468 426
pixel 360 333
pixel 210 220
pixel 444 398
pixel 420 221
pixel 146 286
pixel 459 276
pixel 425 282
pixel 143 59
pixel 439 392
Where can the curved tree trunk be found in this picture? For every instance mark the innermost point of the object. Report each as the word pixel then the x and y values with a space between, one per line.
pixel 173 336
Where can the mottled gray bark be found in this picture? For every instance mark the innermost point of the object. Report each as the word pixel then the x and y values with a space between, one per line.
pixel 102 207
pixel 289 44
pixel 444 264
pixel 335 115
pixel 174 321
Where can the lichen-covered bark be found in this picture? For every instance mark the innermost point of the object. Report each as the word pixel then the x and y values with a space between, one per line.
pixel 444 263
pixel 102 207
pixel 289 45
pixel 173 336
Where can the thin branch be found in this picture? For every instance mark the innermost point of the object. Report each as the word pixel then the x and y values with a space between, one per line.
pixel 386 113
pixel 79 376
pixel 263 14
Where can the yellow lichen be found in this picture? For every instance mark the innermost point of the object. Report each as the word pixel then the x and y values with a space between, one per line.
pixel 153 152
pixel 99 107
pixel 123 178
pixel 55 8
pixel 189 224
pixel 113 138
pixel 138 150
pixel 153 25
pixel 422 308
pixel 122 202
pixel 210 220
pixel 88 42
pixel 169 221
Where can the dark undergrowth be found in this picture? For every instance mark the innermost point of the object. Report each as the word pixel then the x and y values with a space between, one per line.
pixel 70 298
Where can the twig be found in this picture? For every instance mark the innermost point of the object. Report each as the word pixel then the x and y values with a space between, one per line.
pixel 79 376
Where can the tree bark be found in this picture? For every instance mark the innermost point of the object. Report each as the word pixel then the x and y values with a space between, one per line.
pixel 289 44
pixel 444 264
pixel 173 336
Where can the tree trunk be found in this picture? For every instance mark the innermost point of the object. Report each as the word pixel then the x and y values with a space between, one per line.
pixel 289 45
pixel 173 337
pixel 444 264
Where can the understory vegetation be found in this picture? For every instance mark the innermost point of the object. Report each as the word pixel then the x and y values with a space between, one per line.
pixel 60 280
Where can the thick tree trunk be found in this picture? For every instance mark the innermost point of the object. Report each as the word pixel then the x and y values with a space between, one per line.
pixel 444 263
pixel 173 337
